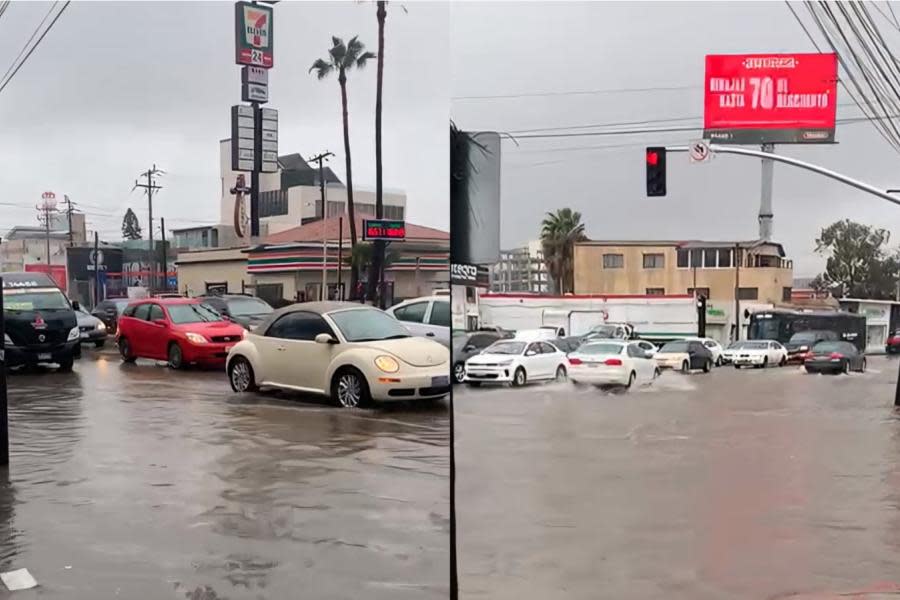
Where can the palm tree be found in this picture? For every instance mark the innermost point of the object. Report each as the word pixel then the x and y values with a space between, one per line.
pixel 559 233
pixel 378 258
pixel 343 58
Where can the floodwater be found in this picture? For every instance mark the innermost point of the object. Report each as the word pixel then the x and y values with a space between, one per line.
pixel 135 481
pixel 757 484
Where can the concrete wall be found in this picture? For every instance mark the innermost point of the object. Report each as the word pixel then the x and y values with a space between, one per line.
pixel 633 278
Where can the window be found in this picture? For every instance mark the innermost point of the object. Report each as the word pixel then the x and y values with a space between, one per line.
pixel 748 293
pixel 129 311
pixel 273 203
pixel 696 258
pixel 654 261
pixel 710 258
pixel 367 324
pixel 156 312
pixel 440 313
pixel 535 347
pixel 411 313
pixel 142 311
pixel 634 351
pixel 701 291
pixel 192 313
pixel 613 261
pixel 724 258
pixel 273 293
pixel 683 258
pixel 482 340
pixel 301 326
pixel 786 294
pixel 220 287
pixel 656 291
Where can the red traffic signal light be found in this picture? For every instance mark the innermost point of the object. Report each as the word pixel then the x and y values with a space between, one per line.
pixel 656 171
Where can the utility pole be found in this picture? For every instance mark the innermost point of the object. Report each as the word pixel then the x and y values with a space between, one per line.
pixel 4 411
pixel 149 188
pixel 737 289
pixel 165 256
pixel 45 209
pixel 69 216
pixel 321 159
pixel 765 201
pixel 96 268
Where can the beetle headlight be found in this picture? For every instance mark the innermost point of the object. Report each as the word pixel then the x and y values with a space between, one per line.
pixel 74 333
pixel 388 364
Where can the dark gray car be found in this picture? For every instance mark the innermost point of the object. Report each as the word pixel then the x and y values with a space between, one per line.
pixel 248 311
pixel 466 344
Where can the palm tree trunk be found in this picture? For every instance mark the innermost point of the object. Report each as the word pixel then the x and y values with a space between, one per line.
pixel 351 213
pixel 375 271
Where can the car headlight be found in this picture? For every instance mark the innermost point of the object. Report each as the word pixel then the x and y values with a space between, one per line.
pixel 101 326
pixel 195 338
pixel 74 333
pixel 7 340
pixel 804 348
pixel 387 364
pixel 504 363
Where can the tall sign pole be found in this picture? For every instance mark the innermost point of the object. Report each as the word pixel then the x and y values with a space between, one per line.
pixel 4 409
pixel 254 130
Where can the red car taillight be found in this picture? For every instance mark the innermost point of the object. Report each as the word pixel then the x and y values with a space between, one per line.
pixel 574 361
pixel 836 355
pixel 613 362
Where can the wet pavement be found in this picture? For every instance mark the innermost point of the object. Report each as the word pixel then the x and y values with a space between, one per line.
pixel 136 481
pixel 738 484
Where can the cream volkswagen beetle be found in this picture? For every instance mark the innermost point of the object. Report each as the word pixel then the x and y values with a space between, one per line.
pixel 350 352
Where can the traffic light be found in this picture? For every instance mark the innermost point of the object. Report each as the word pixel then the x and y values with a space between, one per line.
pixel 656 171
pixel 701 315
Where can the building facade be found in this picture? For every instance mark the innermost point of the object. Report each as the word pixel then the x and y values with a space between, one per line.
pixel 521 270
pixel 733 276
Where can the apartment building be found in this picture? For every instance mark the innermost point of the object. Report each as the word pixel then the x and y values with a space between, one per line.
pixel 521 270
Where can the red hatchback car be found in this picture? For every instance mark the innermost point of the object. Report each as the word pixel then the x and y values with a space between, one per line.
pixel 181 331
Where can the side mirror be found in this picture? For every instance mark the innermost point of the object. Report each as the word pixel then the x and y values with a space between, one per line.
pixel 76 305
pixel 468 348
pixel 325 338
pixel 162 322
pixel 530 353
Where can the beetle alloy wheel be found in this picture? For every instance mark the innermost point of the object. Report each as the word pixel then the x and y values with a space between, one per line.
pixel 349 390
pixel 459 372
pixel 240 376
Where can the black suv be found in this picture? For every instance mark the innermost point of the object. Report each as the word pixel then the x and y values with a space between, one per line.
pixel 41 326
pixel 248 311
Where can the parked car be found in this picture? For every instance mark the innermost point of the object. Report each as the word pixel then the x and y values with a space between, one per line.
pixel 109 312
pixel 892 344
pixel 93 330
pixel 181 331
pixel 802 341
pixel 834 357
pixel 517 362
pixel 467 344
pixel 350 352
pixel 541 333
pixel 760 354
pixel 248 311
pixel 618 331
pixel 425 317
pixel 612 362
pixel 684 355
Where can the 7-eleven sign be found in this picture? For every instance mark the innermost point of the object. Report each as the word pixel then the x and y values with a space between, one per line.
pixel 253 35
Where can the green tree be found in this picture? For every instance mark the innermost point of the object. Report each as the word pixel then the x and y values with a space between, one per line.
pixel 378 257
pixel 341 59
pixel 858 264
pixel 131 228
pixel 559 233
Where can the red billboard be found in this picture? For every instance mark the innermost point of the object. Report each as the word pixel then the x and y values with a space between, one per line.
pixel 770 98
pixel 57 272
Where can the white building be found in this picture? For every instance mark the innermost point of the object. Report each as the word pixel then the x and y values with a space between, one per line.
pixel 521 270
pixel 879 316
pixel 291 196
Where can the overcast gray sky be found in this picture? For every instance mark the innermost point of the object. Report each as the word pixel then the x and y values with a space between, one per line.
pixel 117 86
pixel 527 48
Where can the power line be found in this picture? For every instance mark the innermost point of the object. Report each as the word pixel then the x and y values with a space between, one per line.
pixel 4 6
pixel 36 44
pixel 579 92
pixel 30 39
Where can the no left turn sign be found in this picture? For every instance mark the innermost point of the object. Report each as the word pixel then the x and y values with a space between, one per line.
pixel 699 151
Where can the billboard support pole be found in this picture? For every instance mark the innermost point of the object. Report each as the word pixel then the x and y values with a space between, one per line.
pixel 766 216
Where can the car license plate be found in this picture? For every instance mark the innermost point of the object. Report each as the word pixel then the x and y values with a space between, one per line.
pixel 440 380
pixel 44 356
pixel 592 365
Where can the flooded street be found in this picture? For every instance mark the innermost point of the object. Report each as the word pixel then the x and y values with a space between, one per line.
pixel 738 484
pixel 136 481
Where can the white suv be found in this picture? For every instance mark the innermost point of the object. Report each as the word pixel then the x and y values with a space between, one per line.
pixel 425 317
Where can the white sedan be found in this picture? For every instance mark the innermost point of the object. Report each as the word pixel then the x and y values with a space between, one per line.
pixel 516 362
pixel 612 362
pixel 759 354
pixel 350 352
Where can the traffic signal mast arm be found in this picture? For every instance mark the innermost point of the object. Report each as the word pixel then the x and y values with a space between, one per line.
pixel 797 163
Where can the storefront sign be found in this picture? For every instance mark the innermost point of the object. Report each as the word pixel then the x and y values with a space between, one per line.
pixel 254 35
pixel 382 229
pixel 470 275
